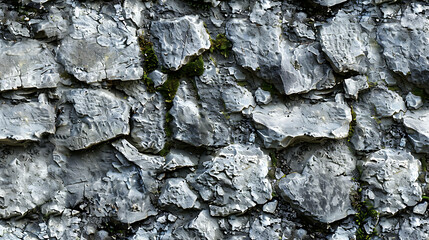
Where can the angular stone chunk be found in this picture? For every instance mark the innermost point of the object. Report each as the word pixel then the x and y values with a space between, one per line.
pixel 202 227
pixel 414 227
pixel 392 177
pixel 179 159
pixel 417 124
pixel 235 180
pixel 353 85
pixel 280 125
pixel 329 3
pixel 237 98
pixel 26 179
pixel 177 192
pixel 406 51
pixel 367 135
pixel 26 121
pixel 97 50
pixel 148 117
pixel 27 64
pixel 191 124
pixel 322 190
pixel 262 96
pixel 292 69
pixel 178 39
pixel 413 101
pixel 89 117
pixel 55 26
pixel 343 43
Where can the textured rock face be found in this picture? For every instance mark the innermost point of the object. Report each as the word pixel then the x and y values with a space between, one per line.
pixel 342 42
pixel 392 178
pixel 26 121
pixel 417 126
pixel 176 192
pixel 322 120
pixel 235 180
pixel 292 71
pixel 323 187
pixel 329 3
pixel 103 49
pixel 179 39
pixel 37 66
pixel 100 116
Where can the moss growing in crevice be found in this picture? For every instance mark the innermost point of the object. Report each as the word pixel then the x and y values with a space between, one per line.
pixel 352 124
pixel 221 44
pixel 365 213
pixel 150 62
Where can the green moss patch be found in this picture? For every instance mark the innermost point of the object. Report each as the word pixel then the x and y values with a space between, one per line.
pixel 221 44
pixel 150 62
pixel 352 124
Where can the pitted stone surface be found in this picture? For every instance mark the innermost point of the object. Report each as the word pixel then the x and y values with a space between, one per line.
pixel 417 126
pixel 27 64
pixel 177 192
pixel 177 40
pixel 89 117
pixel 234 180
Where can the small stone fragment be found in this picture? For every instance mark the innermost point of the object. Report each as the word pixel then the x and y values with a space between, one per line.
pixel 420 208
pixel 176 192
pixel 236 98
pixel 157 77
pixel 416 123
pixel 413 101
pixel 178 39
pixel 329 3
pixel 262 96
pixel 178 159
pixel 353 85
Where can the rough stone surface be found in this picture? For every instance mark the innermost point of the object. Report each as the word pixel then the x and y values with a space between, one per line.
pixel 342 42
pixel 176 192
pixel 329 3
pixel 94 123
pixel 179 159
pixel 418 129
pixel 262 97
pixel 323 187
pixel 353 85
pixel 177 40
pixel 321 120
pixel 37 66
pixel 413 101
pixel 392 178
pixel 234 180
pixel 98 50
pixel 26 121
pixel 236 98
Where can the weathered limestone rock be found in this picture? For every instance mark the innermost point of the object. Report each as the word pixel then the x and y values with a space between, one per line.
pixel 176 192
pixel 26 121
pixel 353 85
pixel 157 77
pixel 406 51
pixel 385 102
pixel 413 101
pixel 89 117
pixel 177 40
pixel 262 97
pixel 392 178
pixel 148 116
pixel 26 179
pixel 322 190
pixel 265 227
pixel 414 228
pixel 342 42
pixel 27 64
pixel 97 50
pixel 367 135
pixel 234 181
pixel 237 98
pixel 417 126
pixel 329 3
pixel 178 159
pixel 202 227
pixel 280 125
pixel 191 123
pixel 292 69
pixel 55 26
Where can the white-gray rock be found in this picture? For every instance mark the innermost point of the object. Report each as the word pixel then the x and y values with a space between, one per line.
pixel 292 69
pixel 178 39
pixel 27 64
pixel 26 121
pixel 386 103
pixel 148 116
pixel 203 227
pixel 178 159
pixel 237 98
pixel 176 192
pixel 417 126
pixel 262 96
pixel 353 85
pixel 329 3
pixel 367 134
pixel 322 190
pixel 234 180
pixel 391 176
pixel 88 117
pixel 420 208
pixel 55 26
pixel 280 125
pixel 98 50
pixel 265 227
pixel 413 101
pixel 414 228
pixel 157 77
pixel 342 41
